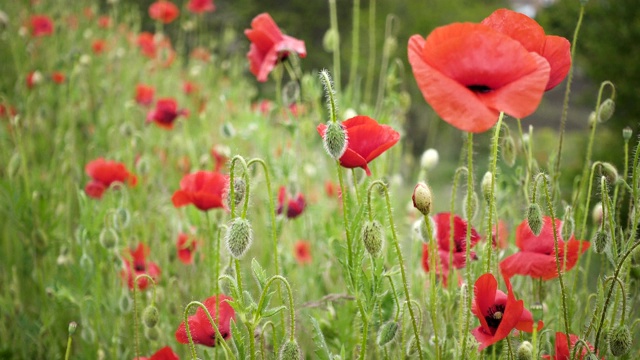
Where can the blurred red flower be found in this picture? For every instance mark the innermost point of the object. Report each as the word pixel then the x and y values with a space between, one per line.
pixel 135 263
pixel 499 313
pixel 201 54
pixel 7 111
pixel 41 25
pixel 104 22
pixel 186 248
pixel 294 207
pixel 202 332
pixel 562 348
pixel 57 77
pixel 99 46
pixel 269 45
pixel 164 11
pixel 220 157
pixel 537 253
pixel 469 73
pixel 555 49
pixel 104 173
pixel 33 78
pixel 166 353
pixel 144 94
pixel 500 235
pixel 302 252
pixel 189 87
pixel 165 113
pixel 203 189
pixel 147 44
pixel 201 6
pixel 366 141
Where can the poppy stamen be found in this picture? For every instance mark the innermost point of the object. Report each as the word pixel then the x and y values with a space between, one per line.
pixel 480 89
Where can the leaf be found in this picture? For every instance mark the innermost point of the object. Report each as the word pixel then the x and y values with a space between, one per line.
pixel 272 311
pixel 259 274
pixel 238 340
pixel 322 350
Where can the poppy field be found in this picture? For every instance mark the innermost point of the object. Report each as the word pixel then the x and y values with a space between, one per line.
pixel 191 192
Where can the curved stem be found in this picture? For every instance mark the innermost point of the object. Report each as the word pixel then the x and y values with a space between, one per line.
pixel 232 192
pixel 624 296
pixel 136 339
pixel 395 297
pixel 492 201
pixel 579 343
pixel 192 346
pixel 292 319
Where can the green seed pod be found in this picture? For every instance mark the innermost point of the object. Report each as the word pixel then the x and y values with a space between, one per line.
pixel 606 110
pixel 620 340
pixel 335 140
pixel 150 316
pixel 627 133
pixel 600 241
pixel 239 237
pixel 372 237
pixel 422 198
pixel 534 218
pixel 508 147
pixel 387 332
pixel 151 333
pixel 290 351
pixel 525 351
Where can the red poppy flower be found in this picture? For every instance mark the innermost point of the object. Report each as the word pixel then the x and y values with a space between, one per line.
pixel 186 247
pixel 201 54
pixel 294 206
pixel 147 44
pixel 201 6
pixel 104 22
pixel 499 313
pixel 104 173
pixel 41 25
pixel 135 263
pixel 269 45
pixel 98 46
pixel 204 189
pixel 57 77
pixel 442 234
pixel 189 87
pixel 366 141
pixel 7 111
pixel 164 11
pixel 202 332
pixel 302 252
pixel 144 94
pixel 469 73
pixel 33 78
pixel 500 235
pixel 555 49
pixel 220 156
pixel 537 253
pixel 165 113
pixel 562 348
pixel 166 353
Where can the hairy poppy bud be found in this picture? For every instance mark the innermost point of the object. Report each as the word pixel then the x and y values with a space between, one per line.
pixel 125 303
pixel 151 333
pixel 387 332
pixel 429 159
pixel 330 40
pixel 390 46
pixel 290 351
pixel 108 238
pixel 610 172
pixel 619 340
pixel 150 316
pixel 627 133
pixel 568 224
pixel 239 187
pixel 72 327
pixel 470 208
pixel 525 351
pixel 335 140
pixel 412 347
pixel 592 118
pixel 239 237
pixel 508 147
pixel 601 241
pixel 372 237
pixel 606 110
pixel 534 218
pixel 485 186
pixel 597 213
pixel 422 198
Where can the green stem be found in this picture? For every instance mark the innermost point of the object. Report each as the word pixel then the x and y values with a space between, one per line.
pixel 432 277
pixel 372 51
pixel 624 297
pixel 219 338
pixel 336 49
pixel 492 201
pixel 454 191
pixel 510 349
pixel 383 67
pixel 345 220
pixel 355 46
pixel 395 297
pixel 136 339
pixel 232 192
pixel 263 296
pixel 467 308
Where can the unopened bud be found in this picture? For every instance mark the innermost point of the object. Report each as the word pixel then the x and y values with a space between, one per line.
pixel 508 150
pixel 387 333
pixel 592 118
pixel 412 347
pixel 239 187
pixel 601 241
pixel 606 110
pixel 72 327
pixel 429 159
pixel 125 303
pixel 610 172
pixel 227 130
pixel 627 133
pixel 422 198
pixel 568 225
pixel 525 351
pixel 150 316
pixel 486 186
pixel 534 218
pixel 372 237
pixel 390 46
pixel 290 351
pixel 108 238
pixel 620 340
pixel 239 237
pixel 597 213
pixel 330 40
pixel 151 333
pixel 335 140
pixel 470 208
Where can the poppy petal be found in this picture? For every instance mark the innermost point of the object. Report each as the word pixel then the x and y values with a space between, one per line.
pixel 557 51
pixel 517 26
pixel 531 264
pixel 484 293
pixel 180 198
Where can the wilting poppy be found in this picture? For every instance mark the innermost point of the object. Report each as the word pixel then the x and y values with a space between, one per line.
pixel 537 253
pixel 41 25
pixel 201 6
pixel 186 247
pixel 135 263
pixel 164 11
pixel 144 94
pixel 562 348
pixel 442 233
pixel 166 353
pixel 269 45
pixel 103 173
pixel 469 73
pixel 202 332
pixel 555 49
pixel 294 207
pixel 57 77
pixel 165 113
pixel 203 189
pixel 499 313
pixel 302 252
pixel 366 141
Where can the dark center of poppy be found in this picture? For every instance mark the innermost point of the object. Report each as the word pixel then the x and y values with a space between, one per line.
pixel 139 266
pixel 494 318
pixel 481 89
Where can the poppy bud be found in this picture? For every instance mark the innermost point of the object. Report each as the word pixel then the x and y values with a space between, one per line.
pixel 372 237
pixel 239 187
pixel 485 186
pixel 125 303
pixel 108 238
pixel 525 351
pixel 597 213
pixel 150 316
pixel 470 208
pixel 387 332
pixel 290 351
pixel 592 118
pixel 335 140
pixel 412 347
pixel 508 147
pixel 568 225
pixel 151 333
pixel 227 130
pixel 422 198
pixel 86 264
pixel 390 46
pixel 534 218
pixel 330 40
pixel 291 93
pixel 620 340
pixel 610 172
pixel 72 327
pixel 310 88
pixel 627 133
pixel 238 237
pixel 429 159
pixel 601 241
pixel 606 110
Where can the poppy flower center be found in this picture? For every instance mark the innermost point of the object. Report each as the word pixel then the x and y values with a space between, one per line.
pixel 495 316
pixel 479 89
pixel 139 266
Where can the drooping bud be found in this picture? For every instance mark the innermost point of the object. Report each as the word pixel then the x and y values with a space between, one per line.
pixel 387 332
pixel 412 347
pixel 108 238
pixel 508 147
pixel 429 159
pixel 600 241
pixel 610 172
pixel 592 118
pixel 597 213
pixel 627 133
pixel 290 351
pixel 228 131
pixel 239 187
pixel 485 186
pixel 390 46
pixel 152 333
pixel 239 237
pixel 470 208
pixel 125 303
pixel 568 224
pixel 606 110
pixel 525 351
pixel 620 340
pixel 534 218
pixel 150 316
pixel 335 140
pixel 422 198
pixel 372 237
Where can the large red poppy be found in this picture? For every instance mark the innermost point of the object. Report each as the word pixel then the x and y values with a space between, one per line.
pixel 165 113
pixel 469 73
pixel 199 326
pixel 294 206
pixel 41 25
pixel 499 313
pixel 164 11
pixel 186 246
pixel 203 189
pixel 201 6
pixel 562 348
pixel 166 353
pixel 366 141
pixel 135 263
pixel 537 253
pixel 269 45
pixel 555 49
pixel 104 173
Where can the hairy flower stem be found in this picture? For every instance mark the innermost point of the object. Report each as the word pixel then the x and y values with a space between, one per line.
pixel 219 338
pixel 528 153
pixel 396 245
pixel 433 251
pixel 232 192
pixel 467 244
pixel 372 51
pixel 355 47
pixel 452 210
pixel 216 263
pixel 136 339
pixel 510 349
pixel 345 219
pixel 292 316
pixel 336 49
pixel 492 201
